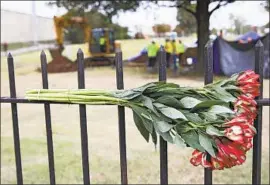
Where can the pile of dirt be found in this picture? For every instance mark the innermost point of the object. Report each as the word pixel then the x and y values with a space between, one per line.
pixel 61 64
pixel 138 61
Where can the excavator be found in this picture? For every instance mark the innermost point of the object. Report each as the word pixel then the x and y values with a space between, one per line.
pixel 95 52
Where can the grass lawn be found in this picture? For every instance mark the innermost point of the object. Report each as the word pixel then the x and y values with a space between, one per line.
pixel 142 158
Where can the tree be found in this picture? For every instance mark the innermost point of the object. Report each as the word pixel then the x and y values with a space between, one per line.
pixel 239 25
pixel 214 31
pixel 110 8
pixel 200 10
pixel 187 22
pixel 161 29
pixel 95 19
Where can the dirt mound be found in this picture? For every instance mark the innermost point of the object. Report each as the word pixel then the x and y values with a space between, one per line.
pixel 61 64
pixel 138 61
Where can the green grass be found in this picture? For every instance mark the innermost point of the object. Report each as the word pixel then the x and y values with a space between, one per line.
pixel 143 167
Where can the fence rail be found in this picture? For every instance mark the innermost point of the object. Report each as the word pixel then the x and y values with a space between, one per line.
pixel 208 78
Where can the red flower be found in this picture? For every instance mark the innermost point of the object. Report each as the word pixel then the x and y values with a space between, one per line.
pixel 251 89
pixel 229 154
pixel 248 83
pixel 247 144
pixel 196 157
pixel 235 133
pixel 199 158
pixel 247 77
pixel 239 120
pixel 247 105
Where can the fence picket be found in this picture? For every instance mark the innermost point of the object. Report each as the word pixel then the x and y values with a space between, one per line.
pixel 47 110
pixel 257 140
pixel 163 143
pixel 83 120
pixel 208 78
pixel 121 119
pixel 16 133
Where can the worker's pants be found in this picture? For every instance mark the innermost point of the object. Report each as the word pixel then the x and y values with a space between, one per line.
pixel 168 57
pixel 152 61
pixel 180 57
pixel 174 56
pixel 102 48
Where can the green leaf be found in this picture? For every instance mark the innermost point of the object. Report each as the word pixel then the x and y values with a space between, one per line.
pixel 154 137
pixel 144 87
pixel 222 94
pixel 231 87
pixel 144 116
pixel 127 94
pixel 139 123
pixel 181 127
pixel 193 117
pixel 208 104
pixel 178 140
pixel 170 101
pixel 148 124
pixel 166 136
pixel 213 131
pixel 172 113
pixel 147 102
pixel 217 109
pixel 163 126
pixel 159 105
pixel 206 143
pixel 189 102
pixel 209 116
pixel 192 139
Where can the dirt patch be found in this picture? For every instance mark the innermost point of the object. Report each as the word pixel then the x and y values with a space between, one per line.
pixel 139 61
pixel 61 64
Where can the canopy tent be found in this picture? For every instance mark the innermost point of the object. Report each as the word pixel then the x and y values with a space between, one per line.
pixel 232 57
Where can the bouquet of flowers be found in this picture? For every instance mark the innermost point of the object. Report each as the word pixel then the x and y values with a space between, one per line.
pixel 216 119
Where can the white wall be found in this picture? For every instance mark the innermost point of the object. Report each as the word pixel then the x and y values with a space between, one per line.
pixel 18 27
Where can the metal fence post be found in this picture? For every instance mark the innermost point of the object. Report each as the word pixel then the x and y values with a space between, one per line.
pixel 208 78
pixel 16 134
pixel 47 110
pixel 83 120
pixel 121 119
pixel 257 140
pixel 163 144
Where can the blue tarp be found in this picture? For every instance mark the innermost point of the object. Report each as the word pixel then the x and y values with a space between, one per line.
pixel 251 34
pixel 233 57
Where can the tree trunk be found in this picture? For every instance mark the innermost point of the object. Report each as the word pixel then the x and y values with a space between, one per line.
pixel 202 16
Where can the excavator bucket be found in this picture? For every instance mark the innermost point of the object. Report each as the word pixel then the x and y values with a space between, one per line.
pixel 55 52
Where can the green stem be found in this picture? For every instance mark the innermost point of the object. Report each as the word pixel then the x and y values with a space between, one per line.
pixel 72 98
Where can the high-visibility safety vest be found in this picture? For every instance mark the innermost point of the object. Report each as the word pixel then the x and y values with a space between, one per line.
pixel 180 48
pixel 152 50
pixel 168 47
pixel 101 40
pixel 174 47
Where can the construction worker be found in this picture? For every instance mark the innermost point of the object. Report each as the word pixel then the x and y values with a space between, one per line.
pixel 102 43
pixel 180 50
pixel 168 49
pixel 152 51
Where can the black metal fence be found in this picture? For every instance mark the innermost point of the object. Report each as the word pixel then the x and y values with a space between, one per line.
pixel 13 100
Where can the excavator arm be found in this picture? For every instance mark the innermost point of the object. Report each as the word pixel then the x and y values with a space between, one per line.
pixel 62 22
